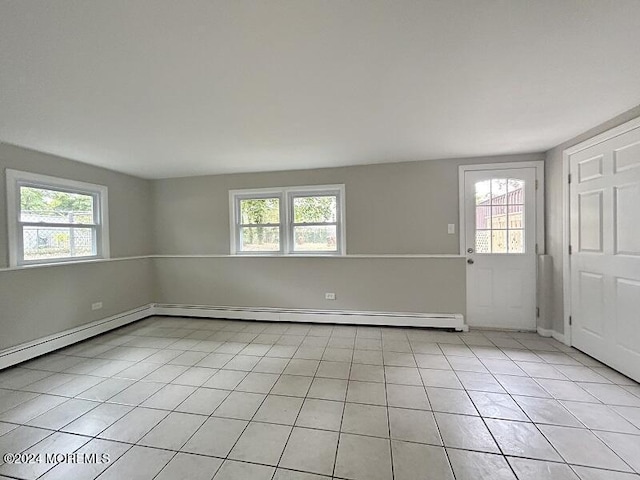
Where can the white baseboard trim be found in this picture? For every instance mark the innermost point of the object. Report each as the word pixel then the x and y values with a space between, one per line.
pixel 40 346
pixel 544 332
pixel 393 319
pixel 548 332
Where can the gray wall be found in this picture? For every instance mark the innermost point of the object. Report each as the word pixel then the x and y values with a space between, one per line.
pixel 554 220
pixel 36 302
pixel 391 209
pixel 130 209
pixel 429 285
pixel 400 208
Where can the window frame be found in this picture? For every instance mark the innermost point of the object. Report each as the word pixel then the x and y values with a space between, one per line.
pixel 287 196
pixel 16 179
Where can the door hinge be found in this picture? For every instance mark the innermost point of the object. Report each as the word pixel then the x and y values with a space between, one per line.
pixel 536 248
pixel 569 178
pixel 536 183
pixel 537 312
pixel 569 249
pixel 570 320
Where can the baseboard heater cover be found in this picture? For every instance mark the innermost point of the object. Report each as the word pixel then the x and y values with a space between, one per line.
pixel 453 321
pixel 28 350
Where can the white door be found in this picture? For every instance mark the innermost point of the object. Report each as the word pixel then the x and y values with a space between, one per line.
pixel 500 246
pixel 604 196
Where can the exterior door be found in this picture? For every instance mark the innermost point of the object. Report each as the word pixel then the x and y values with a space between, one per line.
pixel 604 196
pixel 500 246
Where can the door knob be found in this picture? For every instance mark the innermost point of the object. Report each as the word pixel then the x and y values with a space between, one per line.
pixel 470 261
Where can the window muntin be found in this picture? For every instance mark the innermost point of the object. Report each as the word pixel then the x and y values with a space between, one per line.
pixel 500 216
pixel 288 220
pixel 55 220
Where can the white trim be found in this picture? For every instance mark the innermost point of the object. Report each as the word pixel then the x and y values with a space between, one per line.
pixel 16 178
pixel 566 241
pixel 548 332
pixel 353 255
pixel 286 195
pixel 40 346
pixel 351 317
pixel 12 220
pixel 120 259
pixel 604 136
pixel 538 165
pixel 74 262
pixel 566 210
pixel 545 332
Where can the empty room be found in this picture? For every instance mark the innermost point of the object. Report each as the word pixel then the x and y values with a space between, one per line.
pixel 320 239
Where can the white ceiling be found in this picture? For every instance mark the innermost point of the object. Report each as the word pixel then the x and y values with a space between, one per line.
pixel 160 88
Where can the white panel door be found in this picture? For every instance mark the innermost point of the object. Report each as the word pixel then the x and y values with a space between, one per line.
pixel 604 199
pixel 500 237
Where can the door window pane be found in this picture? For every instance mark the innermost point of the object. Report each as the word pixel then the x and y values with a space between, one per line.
pixel 483 217
pixel 498 241
pixel 516 241
pixel 500 215
pixel 515 185
pixel 483 192
pixel 483 241
pixel 516 216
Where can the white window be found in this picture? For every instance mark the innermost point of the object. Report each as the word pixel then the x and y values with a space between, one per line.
pixel 55 220
pixel 288 221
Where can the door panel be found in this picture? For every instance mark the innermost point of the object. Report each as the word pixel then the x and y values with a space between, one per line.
pixel 499 233
pixel 590 213
pixel 628 327
pixel 591 286
pixel 626 201
pixel 605 259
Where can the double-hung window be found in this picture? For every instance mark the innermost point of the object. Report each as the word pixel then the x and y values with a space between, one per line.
pixel 55 220
pixel 287 221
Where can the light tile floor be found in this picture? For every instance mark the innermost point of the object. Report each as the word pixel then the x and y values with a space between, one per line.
pixel 173 398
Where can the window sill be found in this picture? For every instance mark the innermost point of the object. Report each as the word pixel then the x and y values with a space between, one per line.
pixel 32 266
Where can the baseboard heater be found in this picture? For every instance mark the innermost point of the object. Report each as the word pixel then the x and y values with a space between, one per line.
pixel 28 350
pixel 452 321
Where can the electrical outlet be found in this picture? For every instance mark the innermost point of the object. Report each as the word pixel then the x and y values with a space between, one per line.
pixel 330 296
pixel 451 228
pixel 96 306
